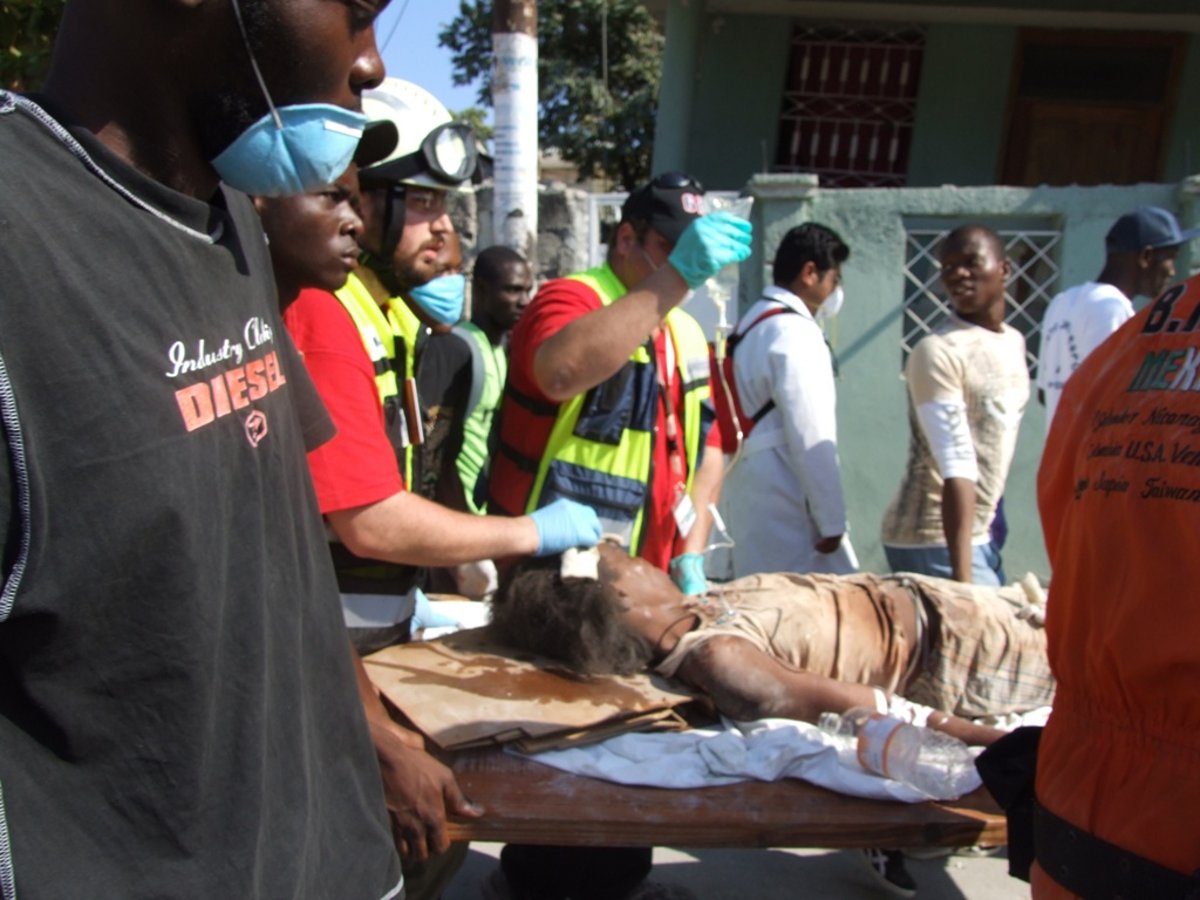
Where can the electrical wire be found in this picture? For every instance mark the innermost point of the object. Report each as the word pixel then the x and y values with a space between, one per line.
pixel 392 31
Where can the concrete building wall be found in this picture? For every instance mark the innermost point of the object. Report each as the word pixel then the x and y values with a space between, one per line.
pixel 1183 146
pixel 740 74
pixel 723 92
pixel 562 243
pixel 959 130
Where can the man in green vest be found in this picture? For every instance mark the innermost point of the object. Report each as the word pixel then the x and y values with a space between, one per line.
pixel 501 287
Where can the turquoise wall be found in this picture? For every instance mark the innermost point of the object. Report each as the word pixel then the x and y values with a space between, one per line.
pixel 740 67
pixel 872 411
pixel 1183 148
pixel 961 102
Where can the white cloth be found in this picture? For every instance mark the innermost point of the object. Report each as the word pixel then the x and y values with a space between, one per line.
pixel 785 493
pixel 1077 321
pixel 766 750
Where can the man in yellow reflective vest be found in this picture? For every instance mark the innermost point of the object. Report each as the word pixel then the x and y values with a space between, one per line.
pixel 606 387
pixel 355 348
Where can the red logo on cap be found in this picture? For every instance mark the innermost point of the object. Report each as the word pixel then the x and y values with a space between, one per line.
pixel 690 203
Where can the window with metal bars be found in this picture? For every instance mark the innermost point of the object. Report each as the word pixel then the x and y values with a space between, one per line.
pixel 849 103
pixel 1031 246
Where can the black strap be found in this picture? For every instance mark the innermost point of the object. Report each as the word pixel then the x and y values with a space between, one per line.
pixel 1008 769
pixel 1097 870
pixel 535 406
pixel 523 462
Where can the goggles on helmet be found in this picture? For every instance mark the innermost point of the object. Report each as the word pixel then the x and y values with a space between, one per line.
pixel 449 154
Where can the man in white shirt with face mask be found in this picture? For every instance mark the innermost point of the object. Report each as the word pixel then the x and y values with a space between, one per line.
pixel 783 500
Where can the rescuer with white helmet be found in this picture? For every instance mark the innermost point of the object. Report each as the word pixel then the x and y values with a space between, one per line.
pixel 404 195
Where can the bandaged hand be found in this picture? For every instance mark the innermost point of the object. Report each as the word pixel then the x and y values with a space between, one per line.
pixel 565 523
pixel 907 711
pixel 425 616
pixel 687 571
pixel 710 244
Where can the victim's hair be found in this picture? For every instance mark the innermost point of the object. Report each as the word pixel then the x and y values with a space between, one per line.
pixel 574 621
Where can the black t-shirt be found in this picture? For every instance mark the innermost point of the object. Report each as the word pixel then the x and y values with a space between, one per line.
pixel 178 712
pixel 443 372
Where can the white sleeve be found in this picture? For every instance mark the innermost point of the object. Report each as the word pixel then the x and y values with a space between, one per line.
pixel 949 435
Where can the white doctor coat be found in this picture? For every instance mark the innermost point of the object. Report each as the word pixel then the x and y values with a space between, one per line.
pixel 785 493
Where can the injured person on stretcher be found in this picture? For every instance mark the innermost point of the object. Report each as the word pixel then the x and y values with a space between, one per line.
pixel 935 652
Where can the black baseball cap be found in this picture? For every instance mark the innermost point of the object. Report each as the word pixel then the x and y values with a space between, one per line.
pixel 1146 226
pixel 668 203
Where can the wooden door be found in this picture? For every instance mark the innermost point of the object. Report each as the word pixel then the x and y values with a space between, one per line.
pixel 1074 120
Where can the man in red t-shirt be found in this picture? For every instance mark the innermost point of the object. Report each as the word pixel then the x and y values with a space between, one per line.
pixel 581 336
pixel 362 494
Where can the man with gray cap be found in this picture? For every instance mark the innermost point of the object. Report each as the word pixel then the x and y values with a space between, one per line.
pixel 607 376
pixel 1141 248
pixel 606 381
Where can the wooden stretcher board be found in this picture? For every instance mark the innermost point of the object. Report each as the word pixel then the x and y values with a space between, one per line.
pixel 528 802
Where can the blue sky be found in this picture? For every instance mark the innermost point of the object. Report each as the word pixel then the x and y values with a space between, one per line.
pixel 407 33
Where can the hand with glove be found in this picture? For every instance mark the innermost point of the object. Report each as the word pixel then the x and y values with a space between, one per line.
pixel 687 571
pixel 565 523
pixel 710 244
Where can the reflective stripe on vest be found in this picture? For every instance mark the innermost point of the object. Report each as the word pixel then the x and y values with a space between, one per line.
pixel 379 332
pixel 611 471
pixel 489 368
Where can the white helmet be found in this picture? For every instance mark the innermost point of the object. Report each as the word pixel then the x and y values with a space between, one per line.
pixel 433 150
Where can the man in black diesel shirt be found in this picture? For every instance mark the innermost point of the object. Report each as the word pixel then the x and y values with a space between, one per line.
pixel 179 710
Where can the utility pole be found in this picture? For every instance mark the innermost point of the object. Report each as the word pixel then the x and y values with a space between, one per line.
pixel 515 102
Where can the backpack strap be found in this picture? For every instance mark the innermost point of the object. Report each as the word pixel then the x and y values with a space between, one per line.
pixel 478 371
pixel 735 339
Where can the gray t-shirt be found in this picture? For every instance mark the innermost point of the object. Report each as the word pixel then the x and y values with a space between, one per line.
pixel 178 711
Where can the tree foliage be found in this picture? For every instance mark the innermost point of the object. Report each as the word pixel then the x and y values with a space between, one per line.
pixel 477 119
pixel 27 29
pixel 605 126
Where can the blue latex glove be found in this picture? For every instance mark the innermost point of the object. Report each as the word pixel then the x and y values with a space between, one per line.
pixel 565 523
pixel 710 244
pixel 687 571
pixel 424 615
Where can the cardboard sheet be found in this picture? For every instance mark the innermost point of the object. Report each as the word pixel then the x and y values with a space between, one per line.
pixel 463 691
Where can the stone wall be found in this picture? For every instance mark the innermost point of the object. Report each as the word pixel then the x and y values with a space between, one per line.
pixel 562 227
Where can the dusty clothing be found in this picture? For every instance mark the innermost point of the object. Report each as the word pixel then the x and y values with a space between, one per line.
pixel 985 373
pixel 974 658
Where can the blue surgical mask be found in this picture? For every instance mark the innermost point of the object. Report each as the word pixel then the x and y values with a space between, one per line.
pixel 291 149
pixel 441 299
